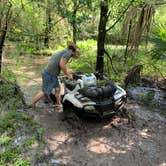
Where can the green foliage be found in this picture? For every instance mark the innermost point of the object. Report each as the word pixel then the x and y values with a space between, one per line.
pixel 27 23
pixel 8 75
pixel 10 123
pixel 28 142
pixel 8 91
pixel 4 138
pixel 155 68
pixel 159 40
pixel 11 157
pixel 40 134
pixel 77 14
pixel 12 120
pixel 21 162
pixel 86 62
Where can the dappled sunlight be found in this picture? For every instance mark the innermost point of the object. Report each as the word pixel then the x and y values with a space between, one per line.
pixel 30 66
pixel 163 164
pixel 117 47
pixel 105 145
pixel 107 142
pixel 33 82
pixel 99 146
pixel 144 133
pixel 26 71
pixel 42 59
pixel 57 139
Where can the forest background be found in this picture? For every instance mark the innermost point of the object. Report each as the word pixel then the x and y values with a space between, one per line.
pixel 113 36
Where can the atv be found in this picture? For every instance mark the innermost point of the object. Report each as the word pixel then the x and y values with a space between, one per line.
pixel 87 99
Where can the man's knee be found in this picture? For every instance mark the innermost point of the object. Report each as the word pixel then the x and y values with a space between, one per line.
pixel 57 90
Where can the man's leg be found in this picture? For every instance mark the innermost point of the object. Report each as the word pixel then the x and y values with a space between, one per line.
pixel 58 95
pixel 38 97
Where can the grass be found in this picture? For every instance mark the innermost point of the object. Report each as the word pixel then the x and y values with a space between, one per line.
pixel 14 124
pixel 8 91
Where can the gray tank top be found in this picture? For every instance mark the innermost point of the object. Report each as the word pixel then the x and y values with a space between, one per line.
pixel 53 67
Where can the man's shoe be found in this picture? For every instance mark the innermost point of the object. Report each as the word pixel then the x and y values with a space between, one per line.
pixel 58 107
pixel 28 106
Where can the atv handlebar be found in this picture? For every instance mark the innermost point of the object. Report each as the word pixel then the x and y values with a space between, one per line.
pixel 75 77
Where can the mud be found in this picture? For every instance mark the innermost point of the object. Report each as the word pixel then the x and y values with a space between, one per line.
pixel 134 137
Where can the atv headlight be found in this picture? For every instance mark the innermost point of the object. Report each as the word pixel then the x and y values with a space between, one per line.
pixel 89 108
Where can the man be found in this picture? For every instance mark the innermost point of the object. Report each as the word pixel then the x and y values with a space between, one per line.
pixel 50 74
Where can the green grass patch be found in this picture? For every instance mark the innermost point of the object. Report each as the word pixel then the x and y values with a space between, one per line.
pixel 11 123
pixel 9 94
pixel 4 138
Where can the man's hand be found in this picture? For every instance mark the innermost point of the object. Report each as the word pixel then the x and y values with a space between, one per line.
pixel 70 76
pixel 62 64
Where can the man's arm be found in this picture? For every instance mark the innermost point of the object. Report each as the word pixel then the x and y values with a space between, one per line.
pixel 63 66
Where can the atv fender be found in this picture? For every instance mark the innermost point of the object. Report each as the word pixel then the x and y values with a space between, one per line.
pixel 119 93
pixel 71 98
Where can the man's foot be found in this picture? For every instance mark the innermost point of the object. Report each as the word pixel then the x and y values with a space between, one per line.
pixel 28 106
pixel 58 107
pixel 49 111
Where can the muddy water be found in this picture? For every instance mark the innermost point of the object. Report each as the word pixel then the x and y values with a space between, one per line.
pixel 152 97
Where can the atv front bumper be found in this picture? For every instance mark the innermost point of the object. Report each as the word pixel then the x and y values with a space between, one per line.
pixel 103 109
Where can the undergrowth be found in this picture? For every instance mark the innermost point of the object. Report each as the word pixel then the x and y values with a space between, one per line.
pixel 18 131
pixel 13 126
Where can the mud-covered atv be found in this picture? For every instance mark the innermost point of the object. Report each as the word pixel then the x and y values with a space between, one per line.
pixel 86 99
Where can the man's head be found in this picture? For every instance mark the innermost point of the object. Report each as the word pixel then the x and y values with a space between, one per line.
pixel 72 46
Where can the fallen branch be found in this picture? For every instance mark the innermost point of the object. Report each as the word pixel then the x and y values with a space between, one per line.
pixel 110 60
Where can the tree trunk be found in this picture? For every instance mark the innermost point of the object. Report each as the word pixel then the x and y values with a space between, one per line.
pixel 101 38
pixel 2 40
pixel 3 32
pixel 48 26
pixel 74 22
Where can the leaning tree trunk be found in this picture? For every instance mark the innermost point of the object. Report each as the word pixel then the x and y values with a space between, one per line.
pixel 101 38
pixel 3 31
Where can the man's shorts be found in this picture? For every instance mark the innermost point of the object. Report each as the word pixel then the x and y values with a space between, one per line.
pixel 49 83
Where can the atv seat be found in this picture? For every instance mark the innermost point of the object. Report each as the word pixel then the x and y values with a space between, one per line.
pixel 94 92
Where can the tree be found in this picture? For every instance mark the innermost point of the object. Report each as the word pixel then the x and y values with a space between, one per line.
pixel 101 37
pixel 102 30
pixel 49 20
pixel 48 23
pixel 5 16
pixel 73 11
